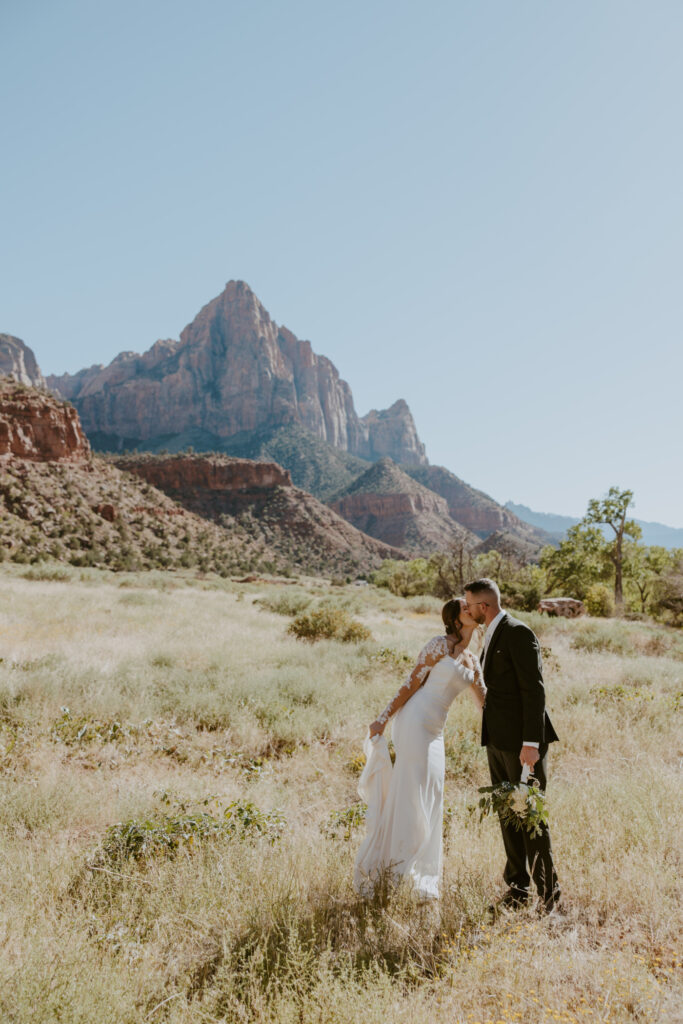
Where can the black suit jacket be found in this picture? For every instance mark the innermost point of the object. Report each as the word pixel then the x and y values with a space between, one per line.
pixel 515 695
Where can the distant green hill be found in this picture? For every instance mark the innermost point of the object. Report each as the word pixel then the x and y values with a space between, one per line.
pixel 382 477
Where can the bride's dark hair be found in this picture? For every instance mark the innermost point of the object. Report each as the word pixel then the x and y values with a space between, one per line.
pixel 450 613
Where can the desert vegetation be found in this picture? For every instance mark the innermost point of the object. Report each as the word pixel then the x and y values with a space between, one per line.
pixel 600 561
pixel 178 814
pixel 91 515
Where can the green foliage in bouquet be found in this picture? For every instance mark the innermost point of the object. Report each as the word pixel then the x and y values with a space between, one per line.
pixel 522 806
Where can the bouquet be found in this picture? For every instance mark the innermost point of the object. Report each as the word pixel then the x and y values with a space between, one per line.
pixel 521 804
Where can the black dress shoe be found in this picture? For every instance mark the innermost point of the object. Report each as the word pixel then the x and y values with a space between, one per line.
pixel 513 899
pixel 552 906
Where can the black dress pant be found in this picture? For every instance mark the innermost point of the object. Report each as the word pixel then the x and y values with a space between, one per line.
pixel 526 855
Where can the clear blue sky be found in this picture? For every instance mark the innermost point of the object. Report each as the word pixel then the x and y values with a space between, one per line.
pixel 475 205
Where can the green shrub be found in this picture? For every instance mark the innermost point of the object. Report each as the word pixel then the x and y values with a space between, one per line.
pixel 165 835
pixel 72 731
pixel 285 604
pixel 406 579
pixel 343 824
pixel 328 624
pixel 393 658
pixel 599 601
pixel 40 571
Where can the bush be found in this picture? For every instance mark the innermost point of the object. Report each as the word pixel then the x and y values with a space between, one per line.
pixel 599 601
pixel 164 836
pixel 343 824
pixel 285 604
pixel 328 624
pixel 57 573
pixel 667 597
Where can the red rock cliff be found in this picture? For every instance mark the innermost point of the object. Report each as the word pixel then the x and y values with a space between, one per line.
pixel 37 427
pixel 206 473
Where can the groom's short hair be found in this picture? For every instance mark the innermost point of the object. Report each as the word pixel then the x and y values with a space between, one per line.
pixel 484 586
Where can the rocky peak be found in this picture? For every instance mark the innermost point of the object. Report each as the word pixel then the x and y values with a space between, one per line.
pixel 388 504
pixel 233 371
pixel 393 432
pixel 18 361
pixel 37 427
pixel 474 509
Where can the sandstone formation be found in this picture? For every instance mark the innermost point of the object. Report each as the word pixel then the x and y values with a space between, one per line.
pixel 233 371
pixel 386 503
pixel 301 528
pixel 37 427
pixel 236 480
pixel 470 507
pixel 18 361
pixel 391 431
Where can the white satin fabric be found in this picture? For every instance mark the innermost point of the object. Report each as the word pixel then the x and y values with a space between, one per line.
pixel 405 803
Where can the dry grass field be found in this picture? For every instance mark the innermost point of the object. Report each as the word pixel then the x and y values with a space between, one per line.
pixel 164 702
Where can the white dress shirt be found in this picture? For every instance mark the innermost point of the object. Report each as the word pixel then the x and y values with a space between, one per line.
pixel 490 630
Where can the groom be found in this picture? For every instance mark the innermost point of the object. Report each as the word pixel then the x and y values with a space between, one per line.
pixel 516 731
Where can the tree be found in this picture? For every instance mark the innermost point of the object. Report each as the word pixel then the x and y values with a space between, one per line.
pixel 643 566
pixel 453 569
pixel 668 592
pixel 579 561
pixel 611 511
pixel 406 579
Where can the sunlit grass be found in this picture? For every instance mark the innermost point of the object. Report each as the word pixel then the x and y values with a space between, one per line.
pixel 186 695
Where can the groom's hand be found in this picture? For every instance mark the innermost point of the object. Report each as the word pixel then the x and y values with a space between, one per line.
pixel 529 755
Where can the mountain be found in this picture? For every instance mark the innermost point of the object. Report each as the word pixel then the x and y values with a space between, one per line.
pixel 260 496
pixel 389 505
pixel 232 371
pixel 474 509
pixel 18 362
pixel 35 427
pixel 656 534
pixel 59 502
pixel 315 466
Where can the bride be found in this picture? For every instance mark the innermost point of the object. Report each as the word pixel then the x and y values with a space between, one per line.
pixel 405 804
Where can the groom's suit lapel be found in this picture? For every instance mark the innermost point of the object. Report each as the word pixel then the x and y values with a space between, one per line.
pixel 492 641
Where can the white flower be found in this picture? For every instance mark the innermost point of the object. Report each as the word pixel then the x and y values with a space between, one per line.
pixel 518 801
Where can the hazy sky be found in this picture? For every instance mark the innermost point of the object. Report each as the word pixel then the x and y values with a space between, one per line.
pixel 475 205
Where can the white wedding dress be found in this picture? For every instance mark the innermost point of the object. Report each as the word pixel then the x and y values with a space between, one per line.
pixel 404 819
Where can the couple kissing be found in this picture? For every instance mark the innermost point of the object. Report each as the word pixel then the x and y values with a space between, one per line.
pixel 404 818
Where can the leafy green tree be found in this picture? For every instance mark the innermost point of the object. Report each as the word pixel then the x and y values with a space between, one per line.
pixel 406 579
pixel 667 594
pixel 611 511
pixel 643 566
pixel 579 561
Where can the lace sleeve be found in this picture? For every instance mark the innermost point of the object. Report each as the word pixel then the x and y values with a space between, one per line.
pixel 434 651
pixel 479 686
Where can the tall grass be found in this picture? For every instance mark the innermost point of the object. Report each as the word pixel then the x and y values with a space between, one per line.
pixel 184 700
